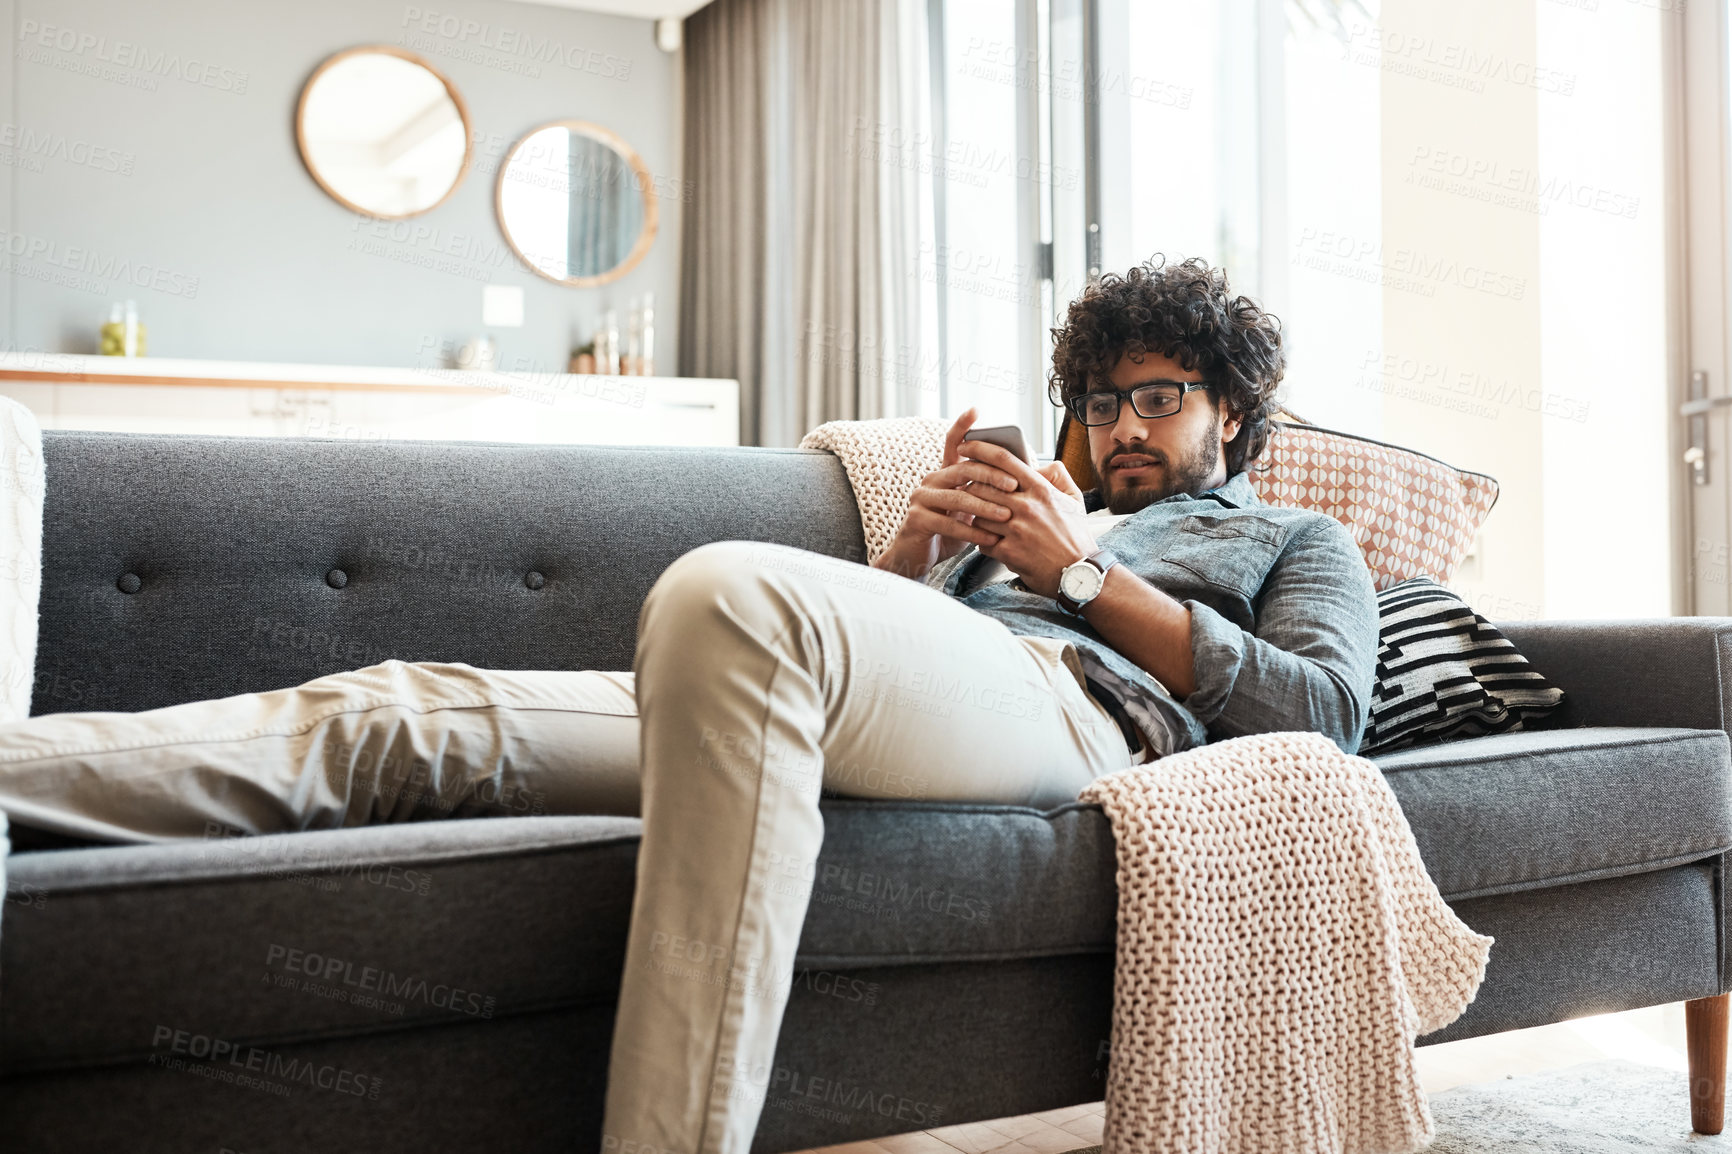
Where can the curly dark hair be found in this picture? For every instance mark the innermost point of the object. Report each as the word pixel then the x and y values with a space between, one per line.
pixel 1183 311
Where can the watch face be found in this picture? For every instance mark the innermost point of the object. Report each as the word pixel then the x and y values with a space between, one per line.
pixel 1079 581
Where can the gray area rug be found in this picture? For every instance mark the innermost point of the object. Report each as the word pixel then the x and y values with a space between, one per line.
pixel 1607 1107
pixel 1596 1108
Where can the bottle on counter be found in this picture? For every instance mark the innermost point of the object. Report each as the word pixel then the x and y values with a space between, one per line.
pixel 123 335
pixel 633 341
pixel 607 344
pixel 647 365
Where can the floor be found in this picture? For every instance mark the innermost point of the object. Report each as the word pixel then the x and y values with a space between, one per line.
pixel 1654 1036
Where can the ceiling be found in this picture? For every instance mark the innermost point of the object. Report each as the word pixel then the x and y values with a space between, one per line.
pixel 646 9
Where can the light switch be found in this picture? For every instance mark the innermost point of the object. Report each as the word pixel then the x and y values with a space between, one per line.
pixel 502 306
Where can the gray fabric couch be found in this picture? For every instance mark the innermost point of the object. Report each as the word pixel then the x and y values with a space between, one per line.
pixel 957 960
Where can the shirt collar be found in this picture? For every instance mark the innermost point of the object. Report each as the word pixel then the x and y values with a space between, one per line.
pixel 1237 493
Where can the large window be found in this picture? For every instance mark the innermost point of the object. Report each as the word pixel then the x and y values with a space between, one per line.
pixel 1072 137
pixel 1188 83
pixel 1456 210
pixel 1333 312
pixel 984 258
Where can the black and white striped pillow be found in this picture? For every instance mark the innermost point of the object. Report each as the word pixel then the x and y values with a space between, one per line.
pixel 1443 671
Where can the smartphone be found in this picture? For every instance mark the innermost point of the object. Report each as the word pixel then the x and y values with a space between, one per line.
pixel 1005 437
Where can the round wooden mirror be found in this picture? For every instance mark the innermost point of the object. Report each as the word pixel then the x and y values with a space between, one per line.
pixel 576 203
pixel 382 131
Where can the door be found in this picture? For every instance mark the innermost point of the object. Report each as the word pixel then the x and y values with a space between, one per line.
pixel 1696 57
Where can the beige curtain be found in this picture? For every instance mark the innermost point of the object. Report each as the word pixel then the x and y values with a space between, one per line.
pixel 789 281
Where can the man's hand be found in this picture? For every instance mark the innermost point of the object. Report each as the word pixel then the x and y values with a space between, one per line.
pixel 945 514
pixel 1046 530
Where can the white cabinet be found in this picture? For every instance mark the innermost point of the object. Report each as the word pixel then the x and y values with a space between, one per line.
pixel 360 403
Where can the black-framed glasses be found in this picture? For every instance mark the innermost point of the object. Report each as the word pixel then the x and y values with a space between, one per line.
pixel 1155 399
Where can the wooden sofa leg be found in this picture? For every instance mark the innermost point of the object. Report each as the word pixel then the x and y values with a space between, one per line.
pixel 1705 1037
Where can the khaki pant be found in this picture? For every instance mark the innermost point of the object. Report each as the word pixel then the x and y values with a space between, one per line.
pixel 762 673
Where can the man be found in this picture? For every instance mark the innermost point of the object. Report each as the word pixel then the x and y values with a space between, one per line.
pixel 764 674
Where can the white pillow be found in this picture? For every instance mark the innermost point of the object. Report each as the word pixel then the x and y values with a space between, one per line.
pixel 21 485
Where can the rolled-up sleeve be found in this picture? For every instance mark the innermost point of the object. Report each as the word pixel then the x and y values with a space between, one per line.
pixel 1312 659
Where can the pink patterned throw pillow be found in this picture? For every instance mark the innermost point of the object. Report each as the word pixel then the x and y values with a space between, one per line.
pixel 1413 515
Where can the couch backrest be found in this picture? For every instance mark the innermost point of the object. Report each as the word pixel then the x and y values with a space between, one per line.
pixel 231 542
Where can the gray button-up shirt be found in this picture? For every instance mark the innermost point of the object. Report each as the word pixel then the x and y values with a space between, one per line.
pixel 1283 615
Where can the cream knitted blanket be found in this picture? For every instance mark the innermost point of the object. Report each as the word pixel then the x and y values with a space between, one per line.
pixel 1280 942
pixel 885 461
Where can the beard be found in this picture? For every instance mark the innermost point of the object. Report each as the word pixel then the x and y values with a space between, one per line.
pixel 1186 475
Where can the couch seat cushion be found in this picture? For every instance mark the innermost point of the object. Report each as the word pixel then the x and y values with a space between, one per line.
pixel 124 952
pixel 934 882
pixel 900 882
pixel 1518 811
pixel 116 953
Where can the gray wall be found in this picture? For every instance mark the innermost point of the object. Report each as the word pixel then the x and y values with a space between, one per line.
pixel 210 185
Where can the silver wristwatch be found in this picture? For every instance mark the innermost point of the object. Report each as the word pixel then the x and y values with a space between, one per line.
pixel 1081 581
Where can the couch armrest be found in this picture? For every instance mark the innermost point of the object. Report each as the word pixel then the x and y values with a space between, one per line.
pixel 1670 671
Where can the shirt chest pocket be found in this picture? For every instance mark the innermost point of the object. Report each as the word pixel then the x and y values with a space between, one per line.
pixel 1232 554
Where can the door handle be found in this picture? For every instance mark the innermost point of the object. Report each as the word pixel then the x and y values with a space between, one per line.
pixel 1695 411
pixel 1694 408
